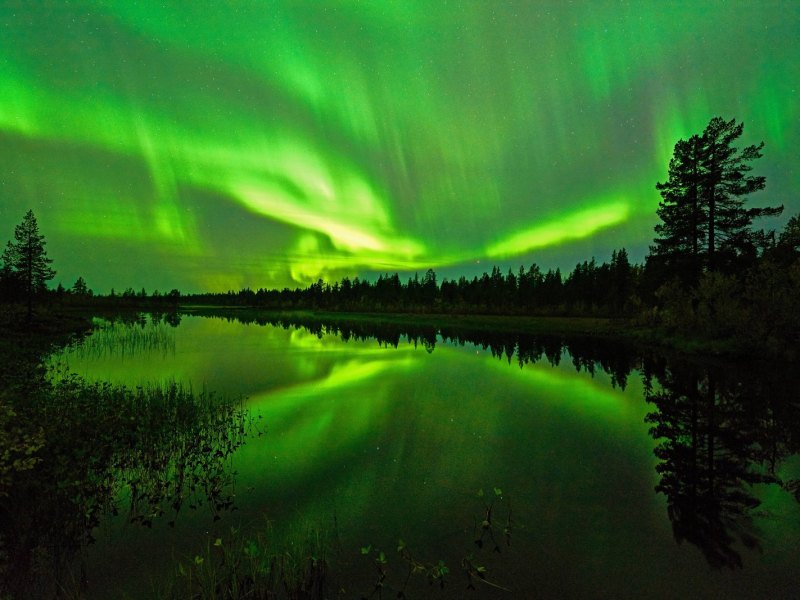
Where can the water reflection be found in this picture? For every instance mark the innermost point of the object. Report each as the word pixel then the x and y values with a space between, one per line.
pixel 722 433
pixel 392 438
pixel 588 354
pixel 75 453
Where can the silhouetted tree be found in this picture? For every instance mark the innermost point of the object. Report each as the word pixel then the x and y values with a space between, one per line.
pixel 173 296
pixel 429 288
pixel 725 182
pixel 787 248
pixel 27 259
pixel 79 287
pixel 790 236
pixel 619 286
pixel 10 282
pixel 702 210
pixel 682 230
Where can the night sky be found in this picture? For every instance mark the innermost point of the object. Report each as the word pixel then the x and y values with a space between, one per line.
pixel 216 145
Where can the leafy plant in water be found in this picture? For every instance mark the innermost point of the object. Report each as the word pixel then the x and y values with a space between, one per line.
pixel 381 566
pixel 487 525
pixel 436 572
pixel 257 565
pixel 84 444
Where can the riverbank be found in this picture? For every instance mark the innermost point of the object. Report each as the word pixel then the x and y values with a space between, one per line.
pixel 54 325
pixel 615 329
pixel 499 323
pixel 23 343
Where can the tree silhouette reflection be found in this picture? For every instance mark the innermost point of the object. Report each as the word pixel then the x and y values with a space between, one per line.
pixel 721 436
pixel 722 430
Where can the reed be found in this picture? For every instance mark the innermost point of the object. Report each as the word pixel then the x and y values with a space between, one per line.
pixel 120 339
pixel 96 450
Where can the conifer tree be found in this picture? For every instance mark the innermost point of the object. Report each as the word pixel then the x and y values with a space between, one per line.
pixel 80 288
pixel 682 231
pixel 27 259
pixel 790 236
pixel 702 210
pixel 725 182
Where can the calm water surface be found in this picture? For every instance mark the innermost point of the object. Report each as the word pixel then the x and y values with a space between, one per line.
pixel 376 442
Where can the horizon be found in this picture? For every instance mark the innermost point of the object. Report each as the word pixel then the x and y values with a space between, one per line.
pixel 216 148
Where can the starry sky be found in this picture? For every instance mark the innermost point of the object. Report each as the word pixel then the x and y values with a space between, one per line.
pixel 213 145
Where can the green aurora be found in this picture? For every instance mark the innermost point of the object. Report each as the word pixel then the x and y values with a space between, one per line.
pixel 215 145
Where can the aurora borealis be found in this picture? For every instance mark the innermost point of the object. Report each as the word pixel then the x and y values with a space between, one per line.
pixel 216 145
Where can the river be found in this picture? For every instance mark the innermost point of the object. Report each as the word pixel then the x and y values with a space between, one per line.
pixel 606 471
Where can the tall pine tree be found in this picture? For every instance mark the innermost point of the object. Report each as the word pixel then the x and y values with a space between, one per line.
pixel 702 211
pixel 683 228
pixel 27 259
pixel 725 183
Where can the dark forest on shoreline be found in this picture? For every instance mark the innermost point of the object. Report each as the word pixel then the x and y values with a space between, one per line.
pixel 711 283
pixel 710 275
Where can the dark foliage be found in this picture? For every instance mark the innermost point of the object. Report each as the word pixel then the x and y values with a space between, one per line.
pixel 69 447
pixel 704 222
pixel 26 267
pixel 590 289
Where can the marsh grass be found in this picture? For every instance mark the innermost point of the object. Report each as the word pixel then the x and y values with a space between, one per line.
pixel 96 449
pixel 164 444
pixel 124 339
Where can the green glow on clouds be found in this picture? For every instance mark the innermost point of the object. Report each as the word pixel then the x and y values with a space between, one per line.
pixel 212 145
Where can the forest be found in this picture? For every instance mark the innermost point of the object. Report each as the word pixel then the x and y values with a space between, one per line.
pixel 710 274
pixel 713 281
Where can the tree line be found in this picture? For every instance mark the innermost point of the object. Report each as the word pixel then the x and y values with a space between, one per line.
pixel 709 272
pixel 25 272
pixel 590 288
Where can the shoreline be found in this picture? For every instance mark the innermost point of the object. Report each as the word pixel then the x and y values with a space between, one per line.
pixel 616 329
pixel 64 322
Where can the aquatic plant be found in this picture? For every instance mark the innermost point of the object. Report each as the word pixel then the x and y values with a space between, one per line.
pixel 256 564
pixel 436 573
pixel 122 339
pixel 98 449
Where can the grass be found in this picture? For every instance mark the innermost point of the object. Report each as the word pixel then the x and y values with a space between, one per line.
pixel 75 452
pixel 116 339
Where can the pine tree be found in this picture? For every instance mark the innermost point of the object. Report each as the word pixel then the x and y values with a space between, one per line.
pixel 10 285
pixel 27 259
pixel 790 236
pixel 682 229
pixel 724 183
pixel 621 275
pixel 79 288
pixel 702 210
